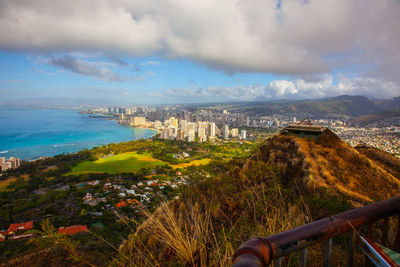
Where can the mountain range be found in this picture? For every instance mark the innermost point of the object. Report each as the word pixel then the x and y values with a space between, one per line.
pixel 346 105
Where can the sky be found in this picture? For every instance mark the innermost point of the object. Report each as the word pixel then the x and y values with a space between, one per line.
pixel 190 51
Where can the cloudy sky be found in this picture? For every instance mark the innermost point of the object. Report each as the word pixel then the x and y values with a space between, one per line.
pixel 181 51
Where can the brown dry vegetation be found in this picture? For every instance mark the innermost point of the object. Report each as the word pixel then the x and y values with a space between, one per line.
pixel 382 158
pixel 287 182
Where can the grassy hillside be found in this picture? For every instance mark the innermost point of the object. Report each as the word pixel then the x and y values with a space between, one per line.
pixel 281 183
pixel 287 182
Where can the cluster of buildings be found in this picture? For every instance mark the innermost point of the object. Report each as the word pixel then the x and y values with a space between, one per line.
pixel 10 163
pixel 16 231
pixel 114 196
pixel 386 138
pixel 179 129
pixel 219 114
pixel 19 230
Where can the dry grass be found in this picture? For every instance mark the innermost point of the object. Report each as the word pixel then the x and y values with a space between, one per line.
pixel 268 193
pixel 203 228
pixel 336 165
pixel 197 162
pixel 6 182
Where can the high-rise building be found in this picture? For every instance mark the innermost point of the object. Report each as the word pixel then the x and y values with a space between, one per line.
pixel 240 119
pixel 11 163
pixel 202 134
pixel 180 136
pixel 202 125
pixel 190 136
pixel 190 126
pixel 157 124
pixel 210 115
pixel 173 132
pixel 182 126
pixel 243 134
pixel 235 132
pixel 211 129
pixel 173 122
pixel 137 121
pixel 226 132
pixel 164 134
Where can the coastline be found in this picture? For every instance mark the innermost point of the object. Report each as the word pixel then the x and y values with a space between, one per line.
pixel 34 133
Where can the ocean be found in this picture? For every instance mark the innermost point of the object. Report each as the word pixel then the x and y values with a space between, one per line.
pixel 31 133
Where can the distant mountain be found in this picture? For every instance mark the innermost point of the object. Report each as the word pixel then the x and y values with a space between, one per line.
pixel 344 105
pixel 371 118
pixel 388 104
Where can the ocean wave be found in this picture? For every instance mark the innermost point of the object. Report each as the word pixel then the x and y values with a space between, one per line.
pixel 63 145
pixel 3 152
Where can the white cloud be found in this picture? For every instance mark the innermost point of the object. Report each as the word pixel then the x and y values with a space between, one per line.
pixel 301 37
pixel 285 89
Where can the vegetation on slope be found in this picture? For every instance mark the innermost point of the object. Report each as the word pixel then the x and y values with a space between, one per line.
pixel 344 105
pixel 43 190
pixel 287 182
pixel 282 183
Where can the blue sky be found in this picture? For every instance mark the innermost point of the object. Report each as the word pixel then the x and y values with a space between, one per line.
pixel 176 51
pixel 27 75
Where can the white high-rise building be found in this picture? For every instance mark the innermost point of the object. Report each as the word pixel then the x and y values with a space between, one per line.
pixel 157 124
pixel 202 127
pixel 202 134
pixel 226 132
pixel 243 134
pixel 190 126
pixel 211 129
pixel 182 126
pixel 164 134
pixel 173 132
pixel 191 136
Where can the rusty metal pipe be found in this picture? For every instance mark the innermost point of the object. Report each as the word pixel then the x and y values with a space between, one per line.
pixel 274 246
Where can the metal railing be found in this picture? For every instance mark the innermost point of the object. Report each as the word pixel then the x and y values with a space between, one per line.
pixel 261 251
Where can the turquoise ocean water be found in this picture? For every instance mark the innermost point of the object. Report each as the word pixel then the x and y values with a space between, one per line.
pixel 31 133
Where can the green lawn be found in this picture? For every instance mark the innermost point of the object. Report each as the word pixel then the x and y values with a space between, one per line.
pixel 126 162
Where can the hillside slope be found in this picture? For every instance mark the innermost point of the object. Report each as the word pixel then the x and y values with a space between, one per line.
pixel 345 105
pixel 287 182
pixel 333 164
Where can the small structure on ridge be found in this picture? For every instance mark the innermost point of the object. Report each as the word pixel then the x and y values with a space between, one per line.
pixel 303 128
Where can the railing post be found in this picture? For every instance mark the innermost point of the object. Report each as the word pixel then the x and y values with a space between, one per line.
pixel 396 246
pixel 263 250
pixel 385 230
pixel 370 235
pixel 303 257
pixel 278 262
pixel 350 255
pixel 328 248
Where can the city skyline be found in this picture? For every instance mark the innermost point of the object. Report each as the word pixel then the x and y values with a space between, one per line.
pixel 118 52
